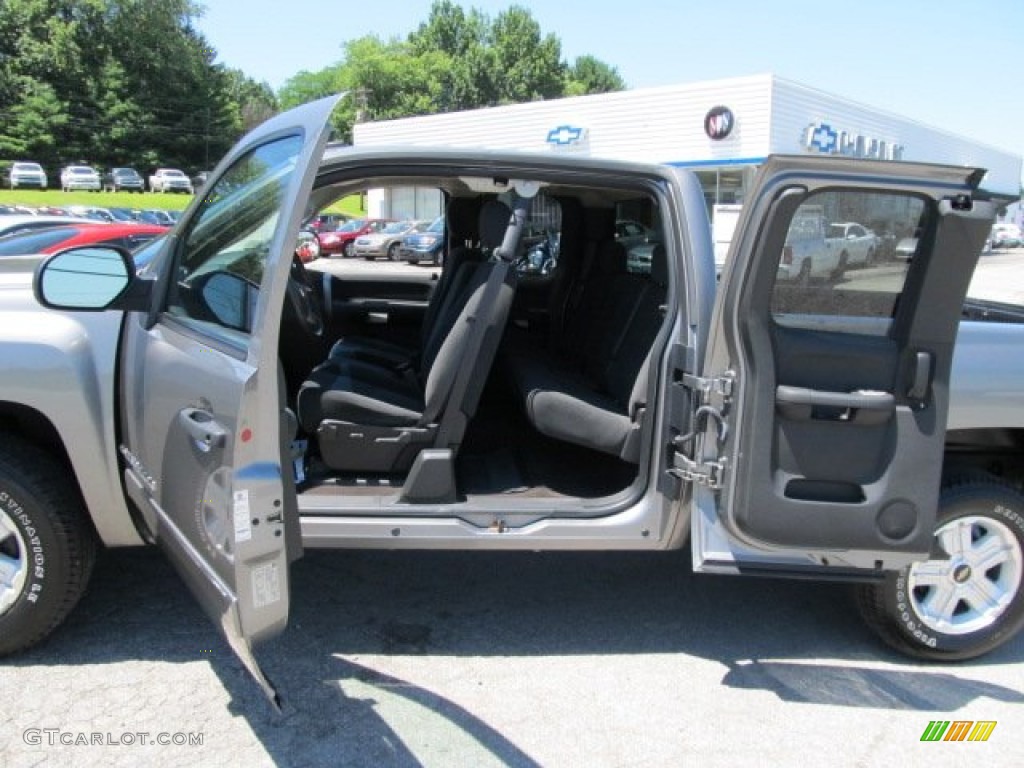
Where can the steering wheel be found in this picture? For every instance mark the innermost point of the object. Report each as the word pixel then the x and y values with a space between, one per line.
pixel 303 300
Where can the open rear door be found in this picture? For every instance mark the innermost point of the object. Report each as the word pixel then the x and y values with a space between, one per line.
pixel 823 400
pixel 204 427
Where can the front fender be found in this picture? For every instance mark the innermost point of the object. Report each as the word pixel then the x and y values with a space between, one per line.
pixel 63 365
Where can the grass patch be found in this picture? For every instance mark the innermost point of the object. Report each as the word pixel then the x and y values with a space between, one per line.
pixel 56 198
pixel 353 205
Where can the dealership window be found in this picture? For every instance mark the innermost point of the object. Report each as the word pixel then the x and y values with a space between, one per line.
pixel 724 186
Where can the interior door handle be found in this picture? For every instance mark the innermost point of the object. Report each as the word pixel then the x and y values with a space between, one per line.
pixel 203 428
pixel 864 407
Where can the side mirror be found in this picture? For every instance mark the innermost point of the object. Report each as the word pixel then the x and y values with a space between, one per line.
pixel 88 278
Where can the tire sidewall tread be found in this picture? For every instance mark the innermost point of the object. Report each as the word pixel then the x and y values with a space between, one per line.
pixel 42 499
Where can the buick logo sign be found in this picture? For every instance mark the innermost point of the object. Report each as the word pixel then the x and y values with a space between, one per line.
pixel 718 123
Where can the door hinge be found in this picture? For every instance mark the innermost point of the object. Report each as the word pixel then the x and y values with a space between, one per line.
pixel 707 473
pixel 715 385
pixel 687 462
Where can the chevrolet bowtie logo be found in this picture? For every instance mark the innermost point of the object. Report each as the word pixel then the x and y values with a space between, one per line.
pixel 824 138
pixel 564 135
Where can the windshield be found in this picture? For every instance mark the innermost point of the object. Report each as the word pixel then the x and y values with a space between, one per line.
pixel 436 226
pixel 397 227
pixel 28 167
pixel 352 226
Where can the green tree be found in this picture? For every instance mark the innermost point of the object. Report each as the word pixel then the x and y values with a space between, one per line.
pixel 457 59
pixel 591 75
pixel 531 66
pixel 113 82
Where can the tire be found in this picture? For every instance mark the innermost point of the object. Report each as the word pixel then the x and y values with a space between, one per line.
pixel 841 267
pixel 393 252
pixel 975 514
pixel 803 278
pixel 45 541
pixel 346 250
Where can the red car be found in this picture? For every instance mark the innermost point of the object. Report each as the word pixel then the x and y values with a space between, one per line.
pixel 53 239
pixel 341 239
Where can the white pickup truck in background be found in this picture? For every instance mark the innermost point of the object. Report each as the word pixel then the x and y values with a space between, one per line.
pixel 170 180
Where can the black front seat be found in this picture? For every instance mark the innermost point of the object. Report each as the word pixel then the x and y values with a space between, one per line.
pixel 462 220
pixel 377 418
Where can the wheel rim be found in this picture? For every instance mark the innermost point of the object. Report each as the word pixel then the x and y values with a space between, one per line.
pixel 13 565
pixel 972 588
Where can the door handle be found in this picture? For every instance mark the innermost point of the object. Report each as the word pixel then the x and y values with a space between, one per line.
pixel 864 407
pixel 203 428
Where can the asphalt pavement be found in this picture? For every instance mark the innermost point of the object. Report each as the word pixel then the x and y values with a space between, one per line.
pixel 479 659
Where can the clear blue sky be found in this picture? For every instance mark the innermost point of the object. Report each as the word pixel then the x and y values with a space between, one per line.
pixel 955 65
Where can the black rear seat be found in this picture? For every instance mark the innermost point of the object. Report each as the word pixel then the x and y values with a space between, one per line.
pixel 592 389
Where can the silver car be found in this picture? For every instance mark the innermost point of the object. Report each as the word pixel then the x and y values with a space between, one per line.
pixel 388 241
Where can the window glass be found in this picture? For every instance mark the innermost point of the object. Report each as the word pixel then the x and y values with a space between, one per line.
pixel 542 237
pixel 227 244
pixel 838 273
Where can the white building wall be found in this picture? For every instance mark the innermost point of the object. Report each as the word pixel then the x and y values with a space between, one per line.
pixel 658 125
pixel 666 125
pixel 797 107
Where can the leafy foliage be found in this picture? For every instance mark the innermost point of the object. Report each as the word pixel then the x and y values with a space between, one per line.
pixel 455 60
pixel 133 82
pixel 118 82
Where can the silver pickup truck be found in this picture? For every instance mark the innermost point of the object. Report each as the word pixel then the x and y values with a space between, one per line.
pixel 213 396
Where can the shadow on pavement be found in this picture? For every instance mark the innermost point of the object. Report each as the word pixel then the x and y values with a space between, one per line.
pixel 800 640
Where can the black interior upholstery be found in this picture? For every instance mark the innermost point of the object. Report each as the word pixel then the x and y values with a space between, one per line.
pixel 462 217
pixel 588 385
pixel 377 415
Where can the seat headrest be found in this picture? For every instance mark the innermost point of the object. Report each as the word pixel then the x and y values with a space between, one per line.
pixel 599 224
pixel 463 218
pixel 494 220
pixel 612 259
pixel 659 265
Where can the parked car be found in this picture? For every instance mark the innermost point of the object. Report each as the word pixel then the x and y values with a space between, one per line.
pixel 387 241
pixel 170 180
pixel 325 222
pixel 630 233
pixel 123 180
pixel 124 215
pixel 25 173
pixel 82 177
pixel 22 222
pixel 854 244
pixel 156 216
pixel 307 246
pixel 1006 236
pixel 807 253
pixel 199 180
pixel 91 212
pixel 52 239
pixel 343 238
pixel 427 244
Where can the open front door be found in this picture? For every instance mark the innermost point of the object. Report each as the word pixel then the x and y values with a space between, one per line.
pixel 825 387
pixel 204 426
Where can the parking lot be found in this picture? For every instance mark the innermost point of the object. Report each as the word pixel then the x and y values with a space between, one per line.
pixel 521 659
pixel 482 659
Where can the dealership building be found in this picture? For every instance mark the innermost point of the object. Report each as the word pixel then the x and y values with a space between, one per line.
pixel 721 129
